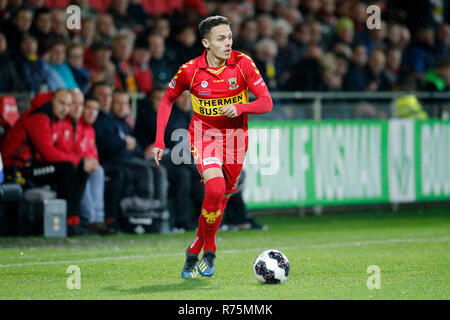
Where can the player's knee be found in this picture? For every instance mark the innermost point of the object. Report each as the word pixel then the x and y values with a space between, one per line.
pixel 215 189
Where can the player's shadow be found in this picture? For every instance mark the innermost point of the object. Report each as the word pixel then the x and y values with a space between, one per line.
pixel 185 284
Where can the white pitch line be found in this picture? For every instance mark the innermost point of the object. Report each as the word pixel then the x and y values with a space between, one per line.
pixel 306 246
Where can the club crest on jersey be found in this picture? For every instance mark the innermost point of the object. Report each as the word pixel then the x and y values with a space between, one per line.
pixel 233 83
pixel 204 84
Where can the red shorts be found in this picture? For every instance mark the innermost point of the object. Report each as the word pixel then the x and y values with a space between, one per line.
pixel 221 153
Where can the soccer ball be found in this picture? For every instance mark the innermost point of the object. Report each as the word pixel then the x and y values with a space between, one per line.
pixel 271 267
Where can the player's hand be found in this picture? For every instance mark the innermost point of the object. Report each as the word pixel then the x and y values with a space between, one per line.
pixel 157 154
pixel 230 111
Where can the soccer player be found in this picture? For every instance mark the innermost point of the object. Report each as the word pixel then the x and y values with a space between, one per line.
pixel 218 82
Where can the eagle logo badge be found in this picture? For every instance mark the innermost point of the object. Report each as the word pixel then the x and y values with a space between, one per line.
pixel 210 217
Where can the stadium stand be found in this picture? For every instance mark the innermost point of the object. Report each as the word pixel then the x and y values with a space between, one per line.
pixel 310 53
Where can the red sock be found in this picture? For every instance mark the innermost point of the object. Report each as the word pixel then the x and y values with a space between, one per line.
pixel 211 214
pixel 199 240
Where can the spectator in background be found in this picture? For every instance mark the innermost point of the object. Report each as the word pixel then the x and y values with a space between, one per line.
pixel 370 77
pixel 265 53
pixel 305 73
pixel 41 28
pixel 124 76
pixel 419 57
pixel 137 13
pixel 442 47
pixel 292 15
pixel 248 35
pixel 160 64
pixel 393 64
pixel 122 19
pixel 299 40
pixel 359 17
pixel 408 106
pixel 119 149
pixel 438 78
pixel 184 46
pixel 145 126
pixel 265 26
pixel 36 4
pixel 100 66
pixel 86 10
pixel 180 175
pixel 114 188
pixel 60 67
pixel 331 78
pixel 342 64
pixel 75 61
pixel 316 33
pixel 282 31
pixel 5 11
pixel 106 28
pixel 310 9
pixel 375 70
pixel 345 32
pixel 34 71
pixel 10 80
pixel 140 58
pixel 40 145
pixel 59 27
pixel 377 38
pixel 264 6
pixel 16 28
pixel 161 26
pixel 327 11
pixel 88 32
pixel 83 115
pixel 394 35
pixel 356 77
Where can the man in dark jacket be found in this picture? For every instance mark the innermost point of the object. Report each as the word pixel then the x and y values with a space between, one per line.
pixel 120 154
pixel 181 175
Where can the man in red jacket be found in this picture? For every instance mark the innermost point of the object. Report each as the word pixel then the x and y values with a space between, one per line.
pixel 39 145
pixel 83 114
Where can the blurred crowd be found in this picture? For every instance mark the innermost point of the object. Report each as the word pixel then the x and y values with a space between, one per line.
pixel 78 135
pixel 308 45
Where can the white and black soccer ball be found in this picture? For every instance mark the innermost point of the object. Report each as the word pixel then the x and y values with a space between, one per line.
pixel 271 267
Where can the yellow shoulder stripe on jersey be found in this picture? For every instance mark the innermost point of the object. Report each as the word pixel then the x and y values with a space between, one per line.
pixel 244 55
pixel 211 107
pixel 218 71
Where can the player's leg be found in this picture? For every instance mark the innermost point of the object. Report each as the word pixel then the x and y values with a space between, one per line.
pixel 211 217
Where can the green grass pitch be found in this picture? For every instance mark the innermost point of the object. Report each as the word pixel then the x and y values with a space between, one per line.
pixel 329 257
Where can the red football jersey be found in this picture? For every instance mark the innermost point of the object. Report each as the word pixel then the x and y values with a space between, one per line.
pixel 213 88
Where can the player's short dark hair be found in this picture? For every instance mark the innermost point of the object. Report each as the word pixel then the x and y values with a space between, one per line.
pixel 207 24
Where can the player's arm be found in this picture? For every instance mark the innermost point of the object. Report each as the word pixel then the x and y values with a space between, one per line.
pixel 257 86
pixel 177 85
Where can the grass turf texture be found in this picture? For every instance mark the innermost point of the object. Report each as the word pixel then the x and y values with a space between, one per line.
pixel 329 257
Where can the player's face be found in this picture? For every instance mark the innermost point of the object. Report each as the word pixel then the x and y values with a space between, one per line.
pixel 219 41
